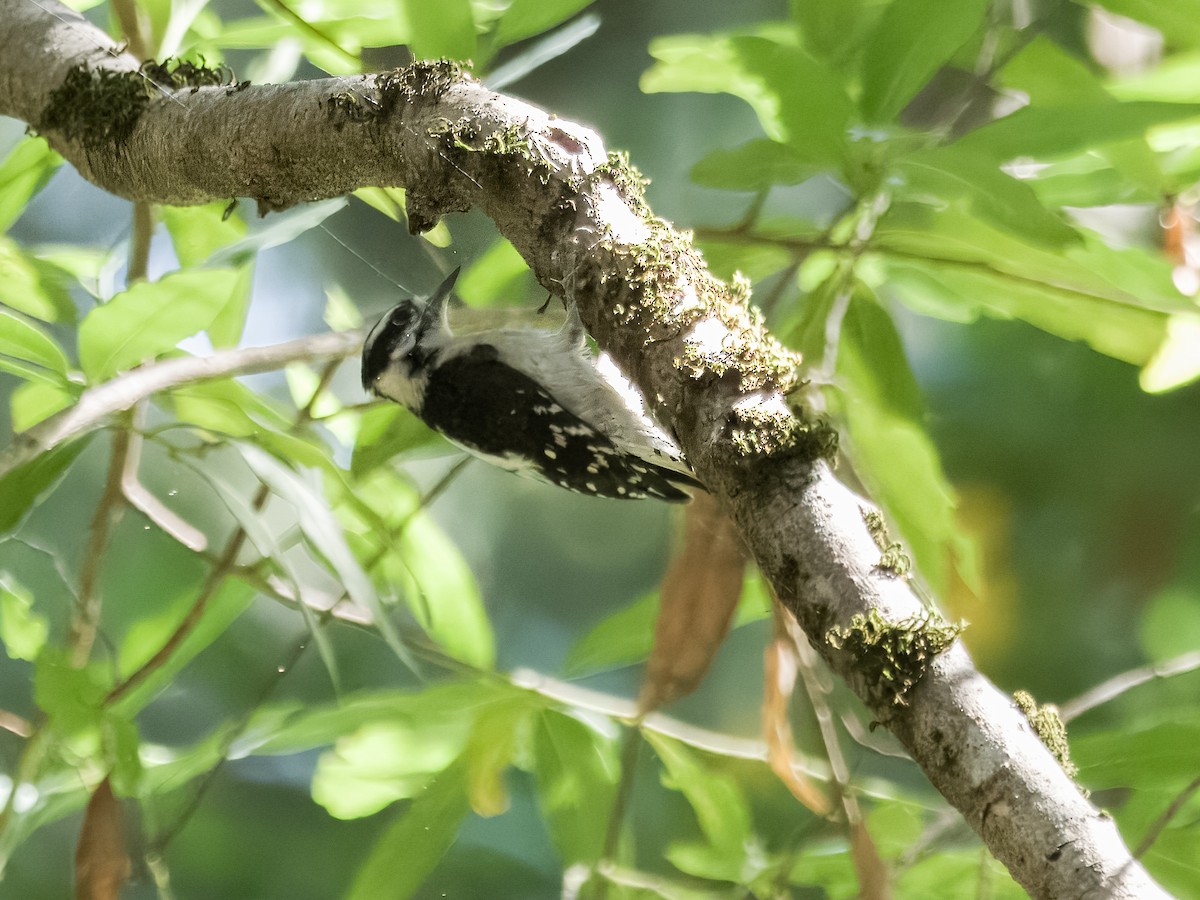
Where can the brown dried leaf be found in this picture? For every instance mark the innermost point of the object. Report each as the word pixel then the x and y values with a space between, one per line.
pixel 699 595
pixel 101 863
pixel 874 880
pixel 780 679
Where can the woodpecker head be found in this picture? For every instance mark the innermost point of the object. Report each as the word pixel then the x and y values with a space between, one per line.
pixel 402 345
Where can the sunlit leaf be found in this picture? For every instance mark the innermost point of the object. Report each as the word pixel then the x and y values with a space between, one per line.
pixel 1177 361
pixel 411 846
pixel 24 340
pixel 443 594
pixel 499 277
pixel 798 101
pixel 910 42
pixel 1180 18
pixel 387 761
pixel 22 630
pixel 70 696
pixel 577 772
pixel 36 401
pixel 23 173
pixel 33 286
pixel 387 431
pixel 623 638
pixel 721 811
pixel 199 231
pixel 150 318
pixel 1041 132
pixel 884 414
pixel 947 175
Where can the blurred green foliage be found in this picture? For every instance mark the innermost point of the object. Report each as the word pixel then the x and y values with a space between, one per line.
pixel 979 236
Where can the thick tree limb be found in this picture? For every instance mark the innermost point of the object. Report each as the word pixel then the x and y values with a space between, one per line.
pixel 684 338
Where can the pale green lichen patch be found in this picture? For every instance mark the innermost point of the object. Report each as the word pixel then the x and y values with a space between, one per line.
pixel 764 431
pixel 893 656
pixel 1049 727
pixel 893 559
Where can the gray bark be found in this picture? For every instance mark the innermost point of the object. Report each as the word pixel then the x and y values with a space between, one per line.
pixel 545 183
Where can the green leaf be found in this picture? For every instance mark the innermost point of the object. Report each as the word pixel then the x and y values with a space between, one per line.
pixel 832 31
pixel 1179 20
pixel 1176 362
pixel 389 201
pixel 1118 301
pixel 24 340
pixel 577 773
pixel 199 231
pixel 37 401
pixel 291 727
pixel 623 638
pixel 884 414
pixel 22 630
pixel 323 533
pixel 150 318
pixel 491 748
pixel 340 312
pixel 946 175
pixel 442 593
pixel 1159 756
pixel 71 696
pixel 412 845
pixel 228 325
pixel 23 173
pixel 1170 623
pixel 721 811
pixel 525 18
pixel 26 484
pixel 499 277
pixel 753 166
pixel 254 524
pixel 442 29
pixel 911 41
pixel 282 228
pixel 1042 132
pixel 387 761
pixel 386 432
pixel 227 407
pixel 147 636
pixel 798 101
pixel 33 286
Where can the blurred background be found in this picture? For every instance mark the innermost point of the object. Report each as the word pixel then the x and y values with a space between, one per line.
pixel 1078 491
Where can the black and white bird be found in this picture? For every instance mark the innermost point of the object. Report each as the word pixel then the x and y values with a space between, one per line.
pixel 524 397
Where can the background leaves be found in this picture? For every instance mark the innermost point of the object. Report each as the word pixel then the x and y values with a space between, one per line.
pixel 980 237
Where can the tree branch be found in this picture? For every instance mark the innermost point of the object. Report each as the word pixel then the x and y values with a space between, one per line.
pixel 710 371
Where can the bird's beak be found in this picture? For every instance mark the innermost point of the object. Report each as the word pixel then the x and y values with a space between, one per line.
pixel 437 301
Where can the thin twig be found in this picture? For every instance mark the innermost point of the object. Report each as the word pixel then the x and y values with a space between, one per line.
pixel 1119 684
pixel 86 620
pixel 122 392
pixel 631 744
pixel 1164 820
